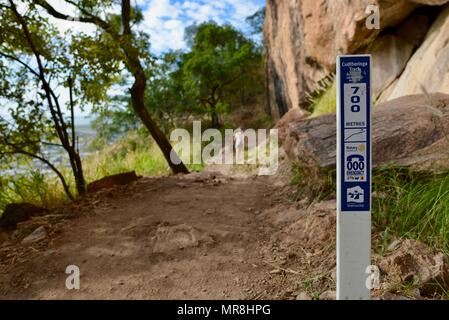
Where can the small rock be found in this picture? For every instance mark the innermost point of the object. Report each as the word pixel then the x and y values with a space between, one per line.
pixel 302 296
pixel 276 271
pixel 393 296
pixel 170 238
pixel 394 245
pixel 36 236
pixel 210 211
pixel 328 295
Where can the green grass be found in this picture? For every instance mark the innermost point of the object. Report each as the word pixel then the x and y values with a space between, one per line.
pixel 323 99
pixel 133 152
pixel 33 187
pixel 413 205
pixel 406 204
pixel 325 103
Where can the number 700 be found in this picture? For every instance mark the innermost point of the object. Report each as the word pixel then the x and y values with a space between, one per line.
pixel 355 100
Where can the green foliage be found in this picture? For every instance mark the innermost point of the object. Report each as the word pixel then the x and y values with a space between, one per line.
pixel 135 151
pixel 326 103
pixel 413 205
pixel 405 203
pixel 33 187
pixel 222 65
pixel 132 152
pixel 323 100
pixel 21 93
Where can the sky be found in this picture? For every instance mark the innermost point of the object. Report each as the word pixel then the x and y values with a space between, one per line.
pixel 165 20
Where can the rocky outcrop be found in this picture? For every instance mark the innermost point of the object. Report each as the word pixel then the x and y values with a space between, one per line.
pixel 303 37
pixel 428 69
pixel 408 131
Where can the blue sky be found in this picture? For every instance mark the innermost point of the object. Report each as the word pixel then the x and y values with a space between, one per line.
pixel 165 20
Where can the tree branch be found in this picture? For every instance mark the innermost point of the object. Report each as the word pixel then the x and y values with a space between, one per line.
pixel 126 17
pixel 87 18
pixel 9 56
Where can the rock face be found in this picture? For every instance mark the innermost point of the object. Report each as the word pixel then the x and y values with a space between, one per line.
pixel 390 55
pixel 111 181
pixel 303 37
pixel 428 69
pixel 19 212
pixel 409 131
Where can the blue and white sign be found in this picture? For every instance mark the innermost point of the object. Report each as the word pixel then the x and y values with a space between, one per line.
pixel 353 176
pixel 354 136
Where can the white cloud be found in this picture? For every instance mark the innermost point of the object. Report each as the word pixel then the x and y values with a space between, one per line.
pixel 165 20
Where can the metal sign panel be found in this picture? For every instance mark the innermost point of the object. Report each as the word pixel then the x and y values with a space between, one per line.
pixel 355 133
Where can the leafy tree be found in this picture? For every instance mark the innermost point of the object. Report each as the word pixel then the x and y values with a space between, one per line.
pixel 121 42
pixel 33 61
pixel 166 97
pixel 221 59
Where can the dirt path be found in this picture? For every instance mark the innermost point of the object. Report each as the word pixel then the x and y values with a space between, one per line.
pixel 201 236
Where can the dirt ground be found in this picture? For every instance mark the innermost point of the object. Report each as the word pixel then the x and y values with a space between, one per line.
pixel 202 236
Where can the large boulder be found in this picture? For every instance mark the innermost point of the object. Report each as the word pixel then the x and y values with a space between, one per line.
pixel 111 181
pixel 408 131
pixel 293 115
pixel 15 213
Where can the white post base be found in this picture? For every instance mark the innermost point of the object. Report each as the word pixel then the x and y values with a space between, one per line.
pixel 353 255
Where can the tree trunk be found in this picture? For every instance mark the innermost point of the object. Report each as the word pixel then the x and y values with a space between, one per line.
pixel 215 122
pixel 74 153
pixel 77 170
pixel 137 97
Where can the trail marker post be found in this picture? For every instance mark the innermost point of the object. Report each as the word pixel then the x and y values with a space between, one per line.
pixel 353 176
